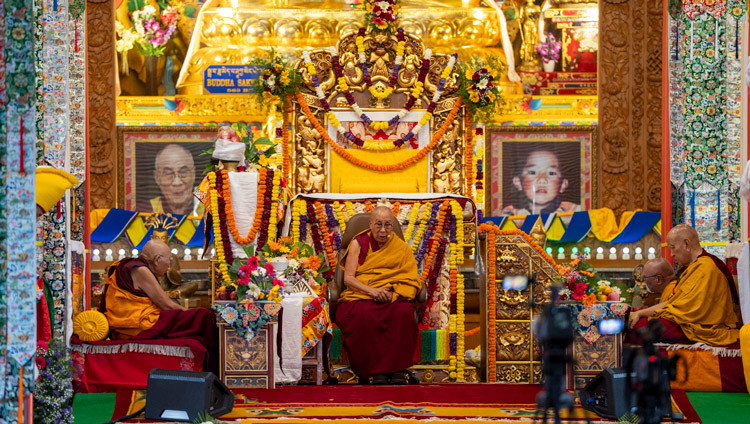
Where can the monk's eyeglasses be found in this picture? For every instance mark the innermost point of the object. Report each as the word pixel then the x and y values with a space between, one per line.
pixel 380 225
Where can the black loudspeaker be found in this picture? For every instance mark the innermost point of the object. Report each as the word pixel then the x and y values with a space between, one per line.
pixel 183 395
pixel 606 395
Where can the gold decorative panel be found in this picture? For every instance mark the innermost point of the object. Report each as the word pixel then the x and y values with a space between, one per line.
pixel 517 354
pixel 590 358
pixel 313 160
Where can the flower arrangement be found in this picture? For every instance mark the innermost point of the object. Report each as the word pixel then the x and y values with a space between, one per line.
pixel 53 396
pixel 478 87
pixel 381 15
pixel 303 266
pixel 278 79
pixel 549 50
pixel 582 284
pixel 251 278
pixel 258 152
pixel 151 30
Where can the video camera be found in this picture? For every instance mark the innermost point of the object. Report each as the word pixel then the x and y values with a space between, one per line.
pixel 555 331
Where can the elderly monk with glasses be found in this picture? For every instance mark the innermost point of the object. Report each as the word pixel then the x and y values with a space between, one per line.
pixel 376 311
pixel 660 278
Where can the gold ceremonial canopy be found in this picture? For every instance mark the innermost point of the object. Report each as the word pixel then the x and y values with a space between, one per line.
pixel 233 32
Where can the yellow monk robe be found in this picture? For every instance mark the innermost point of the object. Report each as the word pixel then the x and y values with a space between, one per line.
pixel 391 266
pixel 702 305
pixel 128 314
pixel 668 292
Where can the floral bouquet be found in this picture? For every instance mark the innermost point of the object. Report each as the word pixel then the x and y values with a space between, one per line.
pixel 277 80
pixel 382 14
pixel 478 87
pixel 152 31
pixel 581 283
pixel 303 267
pixel 550 49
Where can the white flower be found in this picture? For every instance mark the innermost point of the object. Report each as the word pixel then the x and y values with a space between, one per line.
pixel 149 10
pixel 428 54
pixel 617 290
pixel 256 273
pixel 253 290
pixel 293 263
pixel 383 5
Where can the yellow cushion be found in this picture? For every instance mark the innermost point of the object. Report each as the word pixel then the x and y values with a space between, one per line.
pixel 91 326
pixel 51 184
pixel 745 346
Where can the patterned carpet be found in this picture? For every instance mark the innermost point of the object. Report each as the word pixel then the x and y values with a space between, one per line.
pixel 437 402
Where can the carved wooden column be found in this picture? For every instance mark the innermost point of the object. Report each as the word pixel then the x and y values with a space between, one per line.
pixel 630 67
pixel 100 44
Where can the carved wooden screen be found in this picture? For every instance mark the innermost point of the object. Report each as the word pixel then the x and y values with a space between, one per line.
pixel 517 356
pixel 312 158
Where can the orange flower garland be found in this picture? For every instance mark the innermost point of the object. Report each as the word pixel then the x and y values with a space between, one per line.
pixel 274 217
pixel 444 206
pixel 437 136
pixel 326 235
pixel 214 196
pixel 285 164
pixel 396 208
pixel 469 162
pixel 230 212
pixel 368 206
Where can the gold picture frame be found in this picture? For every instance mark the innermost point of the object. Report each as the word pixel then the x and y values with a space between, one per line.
pixel 574 183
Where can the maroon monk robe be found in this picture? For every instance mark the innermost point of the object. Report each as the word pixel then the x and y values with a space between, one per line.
pixel 379 338
pixel 197 323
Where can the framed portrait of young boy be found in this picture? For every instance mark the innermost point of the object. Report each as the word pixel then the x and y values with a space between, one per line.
pixel 533 170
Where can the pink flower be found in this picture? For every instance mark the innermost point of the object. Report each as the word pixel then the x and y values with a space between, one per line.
pixel 252 262
pixel 269 268
pixel 581 287
pixel 244 270
pixel 243 281
pixel 277 282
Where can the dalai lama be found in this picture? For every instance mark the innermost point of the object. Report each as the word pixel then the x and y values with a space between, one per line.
pixel 376 311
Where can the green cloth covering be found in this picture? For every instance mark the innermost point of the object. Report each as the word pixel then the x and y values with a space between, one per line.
pixel 93 407
pixel 336 350
pixel 720 408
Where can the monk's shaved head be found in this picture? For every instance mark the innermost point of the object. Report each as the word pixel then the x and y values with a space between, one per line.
pixel 684 243
pixel 381 212
pixel 154 248
pixel 157 255
pixel 657 273
pixel 658 265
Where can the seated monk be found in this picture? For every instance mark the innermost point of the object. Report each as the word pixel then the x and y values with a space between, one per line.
pixel 661 280
pixel 702 308
pixel 376 311
pixel 136 307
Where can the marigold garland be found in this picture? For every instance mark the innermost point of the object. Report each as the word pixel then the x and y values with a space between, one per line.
pixel 214 196
pixel 295 221
pixel 340 216
pixel 412 220
pixel 230 222
pixel 274 206
pixel 422 226
pixel 396 208
pixel 469 157
pixel 349 208
pixel 383 168
pixel 368 206
pixel 228 254
pixel 435 239
pixel 326 234
pixel 266 201
pixel 285 163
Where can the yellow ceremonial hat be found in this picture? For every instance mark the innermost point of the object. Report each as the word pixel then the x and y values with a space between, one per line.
pixel 51 184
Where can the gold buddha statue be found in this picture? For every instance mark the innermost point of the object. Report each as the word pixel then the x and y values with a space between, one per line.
pixel 529 18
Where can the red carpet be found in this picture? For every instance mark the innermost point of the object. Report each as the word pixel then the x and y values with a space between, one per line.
pixel 300 404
